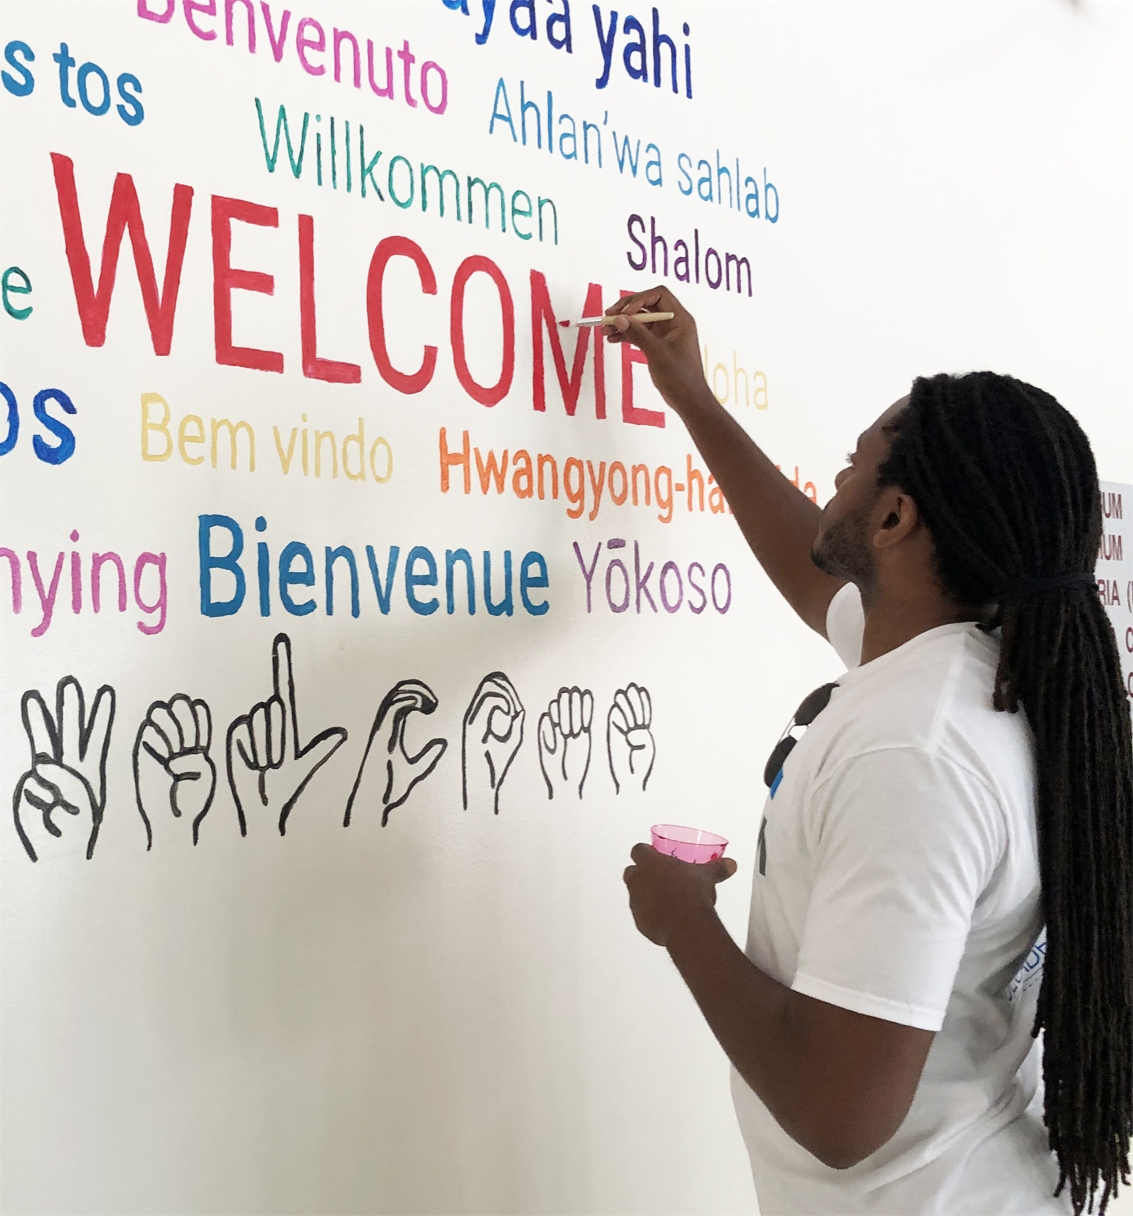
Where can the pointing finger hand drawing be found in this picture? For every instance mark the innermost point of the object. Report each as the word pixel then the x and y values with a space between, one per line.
pixel 267 765
pixel 386 747
pixel 493 733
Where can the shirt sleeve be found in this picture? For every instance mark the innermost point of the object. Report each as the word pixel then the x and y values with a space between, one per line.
pixel 903 843
pixel 845 624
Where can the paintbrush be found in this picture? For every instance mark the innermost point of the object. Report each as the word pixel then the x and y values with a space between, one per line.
pixel 590 322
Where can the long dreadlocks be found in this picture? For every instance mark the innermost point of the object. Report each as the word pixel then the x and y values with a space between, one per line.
pixel 1006 483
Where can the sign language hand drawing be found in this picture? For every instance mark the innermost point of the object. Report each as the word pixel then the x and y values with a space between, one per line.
pixel 173 770
pixel 493 733
pixel 629 737
pixel 266 762
pixel 68 765
pixel 402 771
pixel 564 740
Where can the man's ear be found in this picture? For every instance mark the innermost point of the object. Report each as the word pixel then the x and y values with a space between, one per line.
pixel 897 517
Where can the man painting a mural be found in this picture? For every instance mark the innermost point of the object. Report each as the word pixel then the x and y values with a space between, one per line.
pixel 964 789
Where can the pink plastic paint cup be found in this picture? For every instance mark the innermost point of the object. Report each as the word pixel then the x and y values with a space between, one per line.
pixel 687 844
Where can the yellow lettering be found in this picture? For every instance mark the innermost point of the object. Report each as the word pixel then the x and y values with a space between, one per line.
pixel 359 437
pixel 381 480
pixel 285 461
pixel 319 437
pixel 233 432
pixel 184 437
pixel 148 424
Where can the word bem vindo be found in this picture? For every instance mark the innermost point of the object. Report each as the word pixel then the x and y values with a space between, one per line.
pixel 306 450
pixel 293 576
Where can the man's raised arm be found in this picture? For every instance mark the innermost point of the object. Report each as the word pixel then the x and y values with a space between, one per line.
pixel 777 520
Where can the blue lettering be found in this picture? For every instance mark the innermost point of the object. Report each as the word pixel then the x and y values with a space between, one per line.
pixel 413 580
pixel 209 561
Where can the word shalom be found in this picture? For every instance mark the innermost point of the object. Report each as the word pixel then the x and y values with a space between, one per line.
pixel 160 307
pixel 307 450
pixel 294 580
pixel 693 589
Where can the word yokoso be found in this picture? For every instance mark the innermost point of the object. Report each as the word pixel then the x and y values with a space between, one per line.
pixel 160 307
pixel 693 588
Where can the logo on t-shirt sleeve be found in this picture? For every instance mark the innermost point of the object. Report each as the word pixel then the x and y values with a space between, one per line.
pixel 1030 973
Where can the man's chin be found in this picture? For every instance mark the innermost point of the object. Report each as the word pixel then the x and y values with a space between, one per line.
pixel 821 561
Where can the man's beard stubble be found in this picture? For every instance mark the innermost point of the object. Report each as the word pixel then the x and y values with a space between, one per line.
pixel 843 550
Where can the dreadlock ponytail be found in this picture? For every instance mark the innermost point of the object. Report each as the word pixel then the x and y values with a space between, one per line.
pixel 1006 483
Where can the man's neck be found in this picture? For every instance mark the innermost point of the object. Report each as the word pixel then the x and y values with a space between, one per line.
pixel 892 619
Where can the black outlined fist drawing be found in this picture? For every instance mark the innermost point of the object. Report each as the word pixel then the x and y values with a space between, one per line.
pixel 173 771
pixel 629 738
pixel 267 765
pixel 64 792
pixel 385 748
pixel 564 740
pixel 493 733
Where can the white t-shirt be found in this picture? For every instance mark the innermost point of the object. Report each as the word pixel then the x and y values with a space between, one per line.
pixel 901 880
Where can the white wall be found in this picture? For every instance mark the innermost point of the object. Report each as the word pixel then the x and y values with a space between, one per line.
pixel 454 1012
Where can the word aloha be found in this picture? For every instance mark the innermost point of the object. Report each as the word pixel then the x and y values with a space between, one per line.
pixel 305 449
pixel 402 184
pixel 670 585
pixel 665 62
pixel 581 483
pixel 755 385
pixel 95 99
pixel 93 304
pixel 310 42
pixel 295 570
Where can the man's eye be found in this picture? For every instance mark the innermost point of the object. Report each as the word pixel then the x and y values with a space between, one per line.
pixel 849 458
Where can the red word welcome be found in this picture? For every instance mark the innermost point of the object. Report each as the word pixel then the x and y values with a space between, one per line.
pixel 125 217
